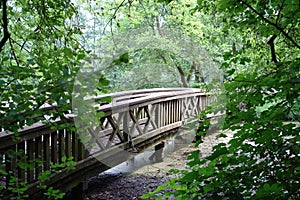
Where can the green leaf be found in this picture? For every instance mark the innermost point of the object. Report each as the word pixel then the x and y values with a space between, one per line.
pixel 68 52
pixel 267 187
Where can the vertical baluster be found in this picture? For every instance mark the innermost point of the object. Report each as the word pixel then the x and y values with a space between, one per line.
pixel 181 109
pixel 164 113
pixel 178 110
pixel 30 156
pixel 157 114
pixel 206 101
pixel 46 152
pixel 61 145
pixel 169 112
pixel 38 155
pixel 81 150
pixel 68 143
pixel 75 146
pixel 199 104
pixel 3 177
pixel 21 160
pixel 11 163
pixel 172 112
pixel 54 148
pixel 126 126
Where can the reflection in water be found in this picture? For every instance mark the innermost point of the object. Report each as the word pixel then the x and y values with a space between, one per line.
pixel 158 151
pixel 155 154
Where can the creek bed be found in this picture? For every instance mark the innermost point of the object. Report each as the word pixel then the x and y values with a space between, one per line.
pixel 145 172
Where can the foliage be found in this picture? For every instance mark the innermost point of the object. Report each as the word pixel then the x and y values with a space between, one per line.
pixel 16 189
pixel 262 160
pixel 154 67
pixel 39 54
pixel 66 163
pixel 38 60
pixel 257 43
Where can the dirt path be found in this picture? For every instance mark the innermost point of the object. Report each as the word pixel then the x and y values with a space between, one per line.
pixel 120 186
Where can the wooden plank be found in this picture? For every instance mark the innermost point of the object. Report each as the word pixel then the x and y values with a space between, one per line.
pixel 68 142
pixel 96 138
pixel 27 133
pixel 31 157
pixel 20 161
pixel 75 146
pixel 81 150
pixel 135 124
pixel 163 114
pixel 126 130
pixel 54 147
pixel 157 115
pixel 38 154
pixel 166 103
pixel 61 145
pixel 151 99
pixel 171 110
pixel 149 119
pixel 46 152
pixel 11 163
pixel 152 115
pixel 116 131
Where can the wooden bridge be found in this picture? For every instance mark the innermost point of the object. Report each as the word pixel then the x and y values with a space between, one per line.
pixel 132 120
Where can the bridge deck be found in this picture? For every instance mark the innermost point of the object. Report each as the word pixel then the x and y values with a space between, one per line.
pixel 130 119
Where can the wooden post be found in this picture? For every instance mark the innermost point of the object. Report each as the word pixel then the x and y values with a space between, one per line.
pixel 157 115
pixel 78 191
pixel 126 131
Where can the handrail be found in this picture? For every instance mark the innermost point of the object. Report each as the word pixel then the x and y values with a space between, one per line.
pixel 151 98
pixel 153 95
pixel 132 119
pixel 138 92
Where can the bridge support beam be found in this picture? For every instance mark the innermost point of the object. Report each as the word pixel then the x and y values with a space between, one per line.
pixel 78 192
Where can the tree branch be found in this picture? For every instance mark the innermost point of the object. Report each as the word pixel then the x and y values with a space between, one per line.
pixel 192 69
pixel 114 15
pixel 167 66
pixel 272 47
pixel 5 25
pixel 181 73
pixel 271 23
pixel 279 12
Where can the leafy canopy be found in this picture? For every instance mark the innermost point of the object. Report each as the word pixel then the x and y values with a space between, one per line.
pixel 262 90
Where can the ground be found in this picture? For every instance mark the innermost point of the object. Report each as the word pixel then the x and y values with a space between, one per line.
pixel 120 186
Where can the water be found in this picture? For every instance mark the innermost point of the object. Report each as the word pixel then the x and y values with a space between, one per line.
pixel 151 156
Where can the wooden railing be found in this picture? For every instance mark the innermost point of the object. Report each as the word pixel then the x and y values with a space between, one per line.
pixel 131 118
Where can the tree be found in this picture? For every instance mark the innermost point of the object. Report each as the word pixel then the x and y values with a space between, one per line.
pixel 128 15
pixel 40 55
pixel 262 89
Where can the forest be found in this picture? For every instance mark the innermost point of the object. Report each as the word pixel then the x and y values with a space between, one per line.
pixel 247 50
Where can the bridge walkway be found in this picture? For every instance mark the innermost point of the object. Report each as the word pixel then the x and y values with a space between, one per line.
pixel 132 119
